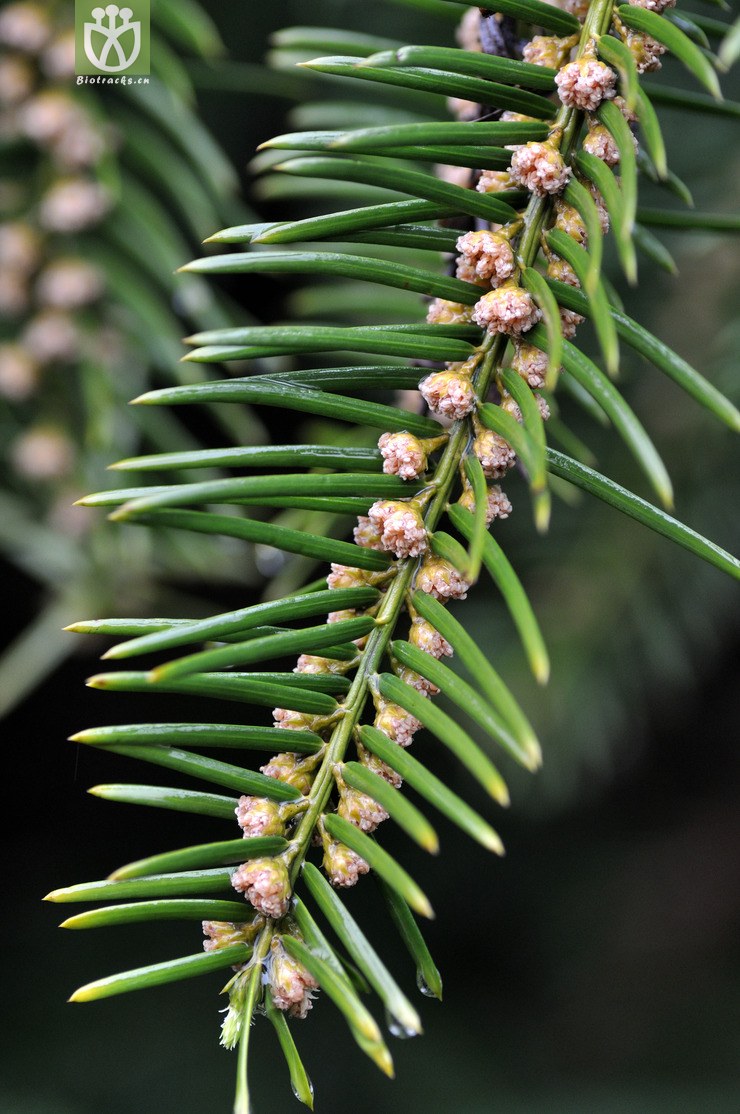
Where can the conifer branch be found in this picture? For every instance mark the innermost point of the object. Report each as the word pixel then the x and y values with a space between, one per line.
pixel 530 195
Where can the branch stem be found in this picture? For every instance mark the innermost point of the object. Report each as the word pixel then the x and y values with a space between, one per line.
pixel 251 998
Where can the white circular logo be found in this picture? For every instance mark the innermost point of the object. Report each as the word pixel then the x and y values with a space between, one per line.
pixel 112 43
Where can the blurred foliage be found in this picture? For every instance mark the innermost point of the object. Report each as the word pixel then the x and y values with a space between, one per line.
pixel 104 193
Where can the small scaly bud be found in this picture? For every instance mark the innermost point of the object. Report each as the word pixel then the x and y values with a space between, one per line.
pixel 416 681
pixel 366 533
pixel 313 664
pixel 441 579
pixel 629 113
pixel 403 531
pixel 360 809
pixel 495 454
pixel 344 576
pixel 291 985
pixel 397 724
pixel 448 394
pixel 569 322
pixel 509 310
pixel 539 167
pixel 530 363
pixel 292 770
pixel 563 272
pixel 442 312
pixel 428 639
pixel 341 616
pixel 265 884
pixel 494 181
pixel 291 720
pixel 599 141
pixel 645 50
pixel 465 271
pixel 511 407
pixel 601 209
pixel 498 505
pixel 258 816
pixel 546 50
pixel 510 117
pixel 222 934
pixel 585 83
pixel 569 221
pixel 403 455
pixel 376 766
pixel 343 866
pixel 486 256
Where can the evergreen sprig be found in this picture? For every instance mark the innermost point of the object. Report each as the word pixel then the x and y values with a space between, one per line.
pixel 104 192
pixel 525 204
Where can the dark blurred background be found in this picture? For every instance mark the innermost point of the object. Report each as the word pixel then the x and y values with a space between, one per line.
pixel 596 968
